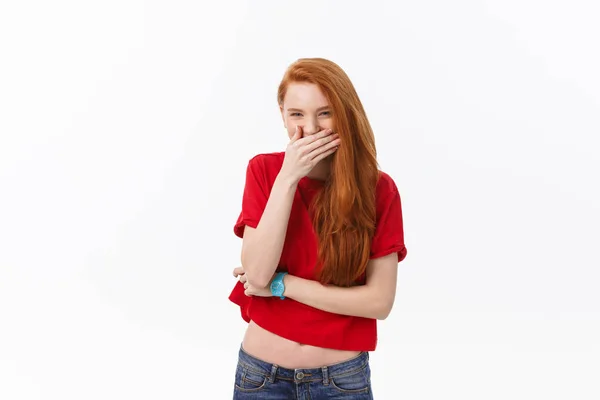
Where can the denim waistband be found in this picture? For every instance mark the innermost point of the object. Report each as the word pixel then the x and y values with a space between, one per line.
pixel 273 371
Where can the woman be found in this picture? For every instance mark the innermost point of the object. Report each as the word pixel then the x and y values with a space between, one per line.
pixel 322 238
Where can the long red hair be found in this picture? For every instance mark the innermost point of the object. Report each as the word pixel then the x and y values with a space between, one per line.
pixel 343 212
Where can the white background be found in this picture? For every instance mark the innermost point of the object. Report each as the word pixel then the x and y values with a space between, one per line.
pixel 126 128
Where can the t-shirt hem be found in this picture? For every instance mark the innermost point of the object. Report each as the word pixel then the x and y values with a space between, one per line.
pixel 238 229
pixel 236 298
pixel 401 250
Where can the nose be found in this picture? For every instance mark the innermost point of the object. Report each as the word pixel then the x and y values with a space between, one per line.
pixel 310 128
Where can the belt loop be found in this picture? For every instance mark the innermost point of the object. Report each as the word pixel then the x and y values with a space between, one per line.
pixel 325 376
pixel 273 373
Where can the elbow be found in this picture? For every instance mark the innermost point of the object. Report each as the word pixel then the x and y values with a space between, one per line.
pixel 382 315
pixel 383 310
pixel 258 282
pixel 253 275
pixel 254 278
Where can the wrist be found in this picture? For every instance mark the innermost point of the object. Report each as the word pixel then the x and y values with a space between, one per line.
pixel 288 282
pixel 287 179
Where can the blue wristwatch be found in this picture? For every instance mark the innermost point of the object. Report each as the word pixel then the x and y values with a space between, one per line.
pixel 277 285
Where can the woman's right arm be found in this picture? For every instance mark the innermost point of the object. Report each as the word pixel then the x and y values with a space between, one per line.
pixel 262 246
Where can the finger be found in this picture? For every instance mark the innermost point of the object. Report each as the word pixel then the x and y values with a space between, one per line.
pixel 297 133
pixel 311 138
pixel 243 278
pixel 322 144
pixel 324 154
pixel 238 271
pixel 247 293
pixel 246 285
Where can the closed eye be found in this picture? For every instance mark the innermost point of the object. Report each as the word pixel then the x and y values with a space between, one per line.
pixel 297 114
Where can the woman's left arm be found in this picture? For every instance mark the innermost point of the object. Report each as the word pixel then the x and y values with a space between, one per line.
pixel 372 300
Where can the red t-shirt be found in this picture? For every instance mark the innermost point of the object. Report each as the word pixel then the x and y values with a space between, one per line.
pixel 289 318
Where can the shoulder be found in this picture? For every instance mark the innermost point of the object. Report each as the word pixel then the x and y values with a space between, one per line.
pixel 267 161
pixel 386 186
pixel 389 228
pixel 265 167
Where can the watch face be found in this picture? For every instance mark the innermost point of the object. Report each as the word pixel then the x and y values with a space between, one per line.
pixel 277 288
pixel 277 285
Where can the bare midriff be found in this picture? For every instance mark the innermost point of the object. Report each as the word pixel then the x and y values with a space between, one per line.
pixel 274 349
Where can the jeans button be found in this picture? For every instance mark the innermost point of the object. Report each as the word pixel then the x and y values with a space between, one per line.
pixel 299 375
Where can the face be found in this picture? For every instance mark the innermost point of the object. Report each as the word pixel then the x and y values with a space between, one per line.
pixel 305 105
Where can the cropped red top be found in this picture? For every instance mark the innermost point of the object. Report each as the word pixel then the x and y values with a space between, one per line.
pixel 289 318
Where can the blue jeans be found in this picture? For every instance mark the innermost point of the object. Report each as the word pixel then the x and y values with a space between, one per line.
pixel 257 379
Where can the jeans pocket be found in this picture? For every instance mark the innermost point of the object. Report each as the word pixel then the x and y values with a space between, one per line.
pixel 357 381
pixel 249 380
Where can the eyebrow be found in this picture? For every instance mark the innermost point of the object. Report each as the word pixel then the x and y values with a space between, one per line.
pixel 318 109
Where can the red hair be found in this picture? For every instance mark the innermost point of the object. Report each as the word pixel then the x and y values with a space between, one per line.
pixel 343 212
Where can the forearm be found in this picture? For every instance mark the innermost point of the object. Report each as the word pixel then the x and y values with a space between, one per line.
pixel 358 301
pixel 262 251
